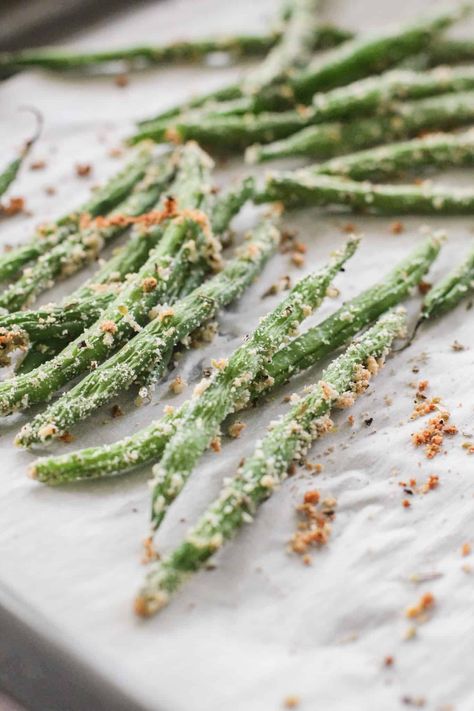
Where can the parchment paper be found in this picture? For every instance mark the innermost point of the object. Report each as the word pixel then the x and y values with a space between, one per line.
pixel 261 626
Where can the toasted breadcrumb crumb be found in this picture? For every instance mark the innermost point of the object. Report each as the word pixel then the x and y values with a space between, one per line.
pixel 424 287
pixel 83 169
pixel 47 430
pixel 177 385
pixel 314 468
pixel 456 346
pixel 216 444
pixel 116 411
pixel 165 312
pixel 314 527
pixel 349 228
pixel 424 408
pixel 410 632
pixel 13 207
pixel 312 497
pixel 149 284
pixel 432 436
pixel 300 247
pixel 397 227
pixel 108 327
pixel 432 483
pixel 283 284
pixel 287 241
pixel 236 429
pixel 121 80
pixel 115 152
pixel 425 604
pixel 297 259
pixel 291 702
pixel 38 165
pixel 466 549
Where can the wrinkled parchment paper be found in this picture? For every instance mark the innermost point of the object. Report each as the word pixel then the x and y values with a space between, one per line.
pixel 261 626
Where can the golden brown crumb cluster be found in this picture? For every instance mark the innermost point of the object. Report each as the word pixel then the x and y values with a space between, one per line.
pixel 216 444
pixel 396 228
pixel 178 385
pixel 314 527
pixel 148 219
pixel 108 327
pixel 14 206
pixel 149 284
pixel 9 342
pixel 236 429
pixel 432 436
pixel 83 169
pixel 420 610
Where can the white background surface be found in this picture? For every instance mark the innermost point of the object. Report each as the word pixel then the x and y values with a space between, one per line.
pixel 261 626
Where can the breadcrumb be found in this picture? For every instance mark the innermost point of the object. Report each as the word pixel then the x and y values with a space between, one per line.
pixel 108 327
pixel 396 228
pixel 425 604
pixel 216 444
pixel 165 312
pixel 314 527
pixel 432 436
pixel 432 483
pixel 14 206
pixel 149 284
pixel 424 287
pixel 83 169
pixel 149 551
pixel 177 385
pixel 236 429
pixel 121 80
pixel 312 497
pixel 38 165
pixel 298 259
pixel 283 284
pixel 349 228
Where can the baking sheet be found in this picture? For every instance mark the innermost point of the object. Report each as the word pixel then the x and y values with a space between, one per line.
pixel 261 626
